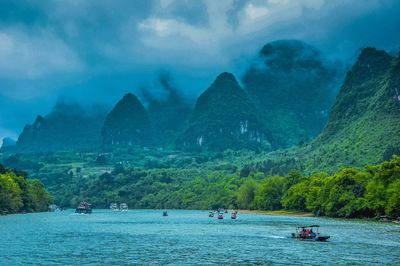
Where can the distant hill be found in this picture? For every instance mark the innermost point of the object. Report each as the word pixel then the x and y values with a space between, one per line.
pixel 67 126
pixel 294 88
pixel 224 117
pixel 168 114
pixel 8 142
pixel 127 123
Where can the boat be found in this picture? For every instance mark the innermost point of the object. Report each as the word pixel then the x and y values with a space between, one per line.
pixel 385 219
pixel 114 206
pixel 123 207
pixel 220 216
pixel 211 214
pixel 234 215
pixel 165 213
pixel 310 232
pixel 53 208
pixel 83 207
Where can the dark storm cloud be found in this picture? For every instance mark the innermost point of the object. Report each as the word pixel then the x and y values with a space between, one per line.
pixel 97 50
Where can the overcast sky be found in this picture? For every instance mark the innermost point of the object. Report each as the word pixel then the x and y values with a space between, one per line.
pixel 96 50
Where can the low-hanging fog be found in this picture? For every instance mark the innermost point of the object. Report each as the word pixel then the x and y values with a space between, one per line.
pixel 92 52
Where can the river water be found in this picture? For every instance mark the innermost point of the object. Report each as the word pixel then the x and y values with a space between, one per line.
pixel 144 237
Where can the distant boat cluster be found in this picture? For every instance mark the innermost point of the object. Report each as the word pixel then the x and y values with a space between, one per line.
pixel 220 214
pixel 122 207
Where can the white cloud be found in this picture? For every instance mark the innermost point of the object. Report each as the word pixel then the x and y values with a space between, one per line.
pixel 202 42
pixel 255 12
pixel 162 27
pixel 168 34
pixel 34 56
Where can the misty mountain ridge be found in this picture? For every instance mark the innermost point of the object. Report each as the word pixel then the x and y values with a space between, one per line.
pixel 224 117
pixel 67 126
pixel 127 123
pixel 364 123
pixel 294 88
pixel 362 126
pixel 168 114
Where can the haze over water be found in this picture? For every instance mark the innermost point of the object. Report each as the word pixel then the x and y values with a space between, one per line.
pixel 189 237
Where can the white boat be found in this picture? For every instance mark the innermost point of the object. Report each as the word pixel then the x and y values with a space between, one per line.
pixel 123 207
pixel 114 206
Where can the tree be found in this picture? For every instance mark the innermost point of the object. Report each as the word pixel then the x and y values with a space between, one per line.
pixel 269 193
pixel 10 194
pixel 246 193
pixel 393 199
pixel 40 198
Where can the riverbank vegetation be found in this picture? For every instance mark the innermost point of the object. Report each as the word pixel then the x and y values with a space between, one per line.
pixel 350 192
pixel 222 180
pixel 19 194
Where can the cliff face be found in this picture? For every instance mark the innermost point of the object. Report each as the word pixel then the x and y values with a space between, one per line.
pixel 224 117
pixel 127 123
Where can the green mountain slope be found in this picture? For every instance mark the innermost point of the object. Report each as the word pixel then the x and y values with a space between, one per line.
pixel 364 124
pixel 127 123
pixel 225 118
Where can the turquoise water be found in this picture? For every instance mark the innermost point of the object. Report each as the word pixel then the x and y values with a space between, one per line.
pixel 144 237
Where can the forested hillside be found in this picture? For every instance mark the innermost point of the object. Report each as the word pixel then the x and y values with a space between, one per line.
pixel 364 124
pixel 20 194
pixel 224 117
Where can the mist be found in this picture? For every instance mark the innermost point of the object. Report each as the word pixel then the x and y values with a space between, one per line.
pixel 93 52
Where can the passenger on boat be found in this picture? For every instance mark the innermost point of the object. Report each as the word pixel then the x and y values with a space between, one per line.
pixel 302 233
pixel 312 234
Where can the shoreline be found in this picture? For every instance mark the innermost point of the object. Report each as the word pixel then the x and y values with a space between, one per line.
pixel 279 213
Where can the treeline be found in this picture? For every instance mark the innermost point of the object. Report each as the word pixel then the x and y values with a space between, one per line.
pixel 350 192
pixel 19 194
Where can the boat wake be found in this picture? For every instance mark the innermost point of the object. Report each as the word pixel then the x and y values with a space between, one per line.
pixel 277 237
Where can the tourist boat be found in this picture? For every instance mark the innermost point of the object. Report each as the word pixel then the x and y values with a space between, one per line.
pixel 83 207
pixel 309 233
pixel 114 206
pixel 53 208
pixel 220 216
pixel 123 207
pixel 385 218
pixel 234 215
pixel 211 214
pixel 165 213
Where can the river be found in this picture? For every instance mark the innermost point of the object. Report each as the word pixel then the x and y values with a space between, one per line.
pixel 144 237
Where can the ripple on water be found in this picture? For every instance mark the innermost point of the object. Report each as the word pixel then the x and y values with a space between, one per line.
pixel 189 237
